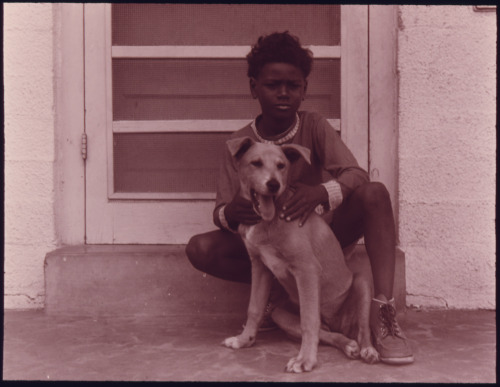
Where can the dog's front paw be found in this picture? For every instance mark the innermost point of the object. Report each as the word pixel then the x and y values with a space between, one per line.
pixel 298 365
pixel 369 355
pixel 351 349
pixel 237 342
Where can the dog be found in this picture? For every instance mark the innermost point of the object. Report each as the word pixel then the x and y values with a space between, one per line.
pixel 307 261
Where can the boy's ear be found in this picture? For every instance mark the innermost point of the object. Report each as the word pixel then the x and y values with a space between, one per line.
pixel 253 83
pixel 293 152
pixel 238 146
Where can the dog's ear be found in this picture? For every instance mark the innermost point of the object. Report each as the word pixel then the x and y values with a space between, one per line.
pixel 293 152
pixel 238 146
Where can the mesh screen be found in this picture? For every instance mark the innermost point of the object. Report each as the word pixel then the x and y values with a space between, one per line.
pixel 167 162
pixel 176 89
pixel 222 24
pixel 180 89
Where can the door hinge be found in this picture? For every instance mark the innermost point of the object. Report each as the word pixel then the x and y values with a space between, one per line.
pixel 84 146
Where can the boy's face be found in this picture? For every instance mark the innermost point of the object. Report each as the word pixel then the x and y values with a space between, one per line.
pixel 280 89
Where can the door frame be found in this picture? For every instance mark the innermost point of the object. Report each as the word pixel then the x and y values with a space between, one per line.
pixel 381 113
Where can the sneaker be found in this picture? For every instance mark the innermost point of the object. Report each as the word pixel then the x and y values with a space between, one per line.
pixel 388 338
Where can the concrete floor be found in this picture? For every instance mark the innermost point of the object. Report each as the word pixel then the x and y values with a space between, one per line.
pixel 449 346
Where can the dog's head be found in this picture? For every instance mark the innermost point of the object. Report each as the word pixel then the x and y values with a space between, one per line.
pixel 263 170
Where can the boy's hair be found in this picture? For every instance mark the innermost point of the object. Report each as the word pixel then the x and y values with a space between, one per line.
pixel 279 47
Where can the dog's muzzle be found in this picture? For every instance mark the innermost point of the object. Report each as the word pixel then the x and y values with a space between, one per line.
pixel 263 204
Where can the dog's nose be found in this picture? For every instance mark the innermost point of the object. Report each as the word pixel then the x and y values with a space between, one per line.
pixel 273 185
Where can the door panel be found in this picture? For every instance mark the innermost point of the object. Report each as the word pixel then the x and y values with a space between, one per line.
pixel 158 111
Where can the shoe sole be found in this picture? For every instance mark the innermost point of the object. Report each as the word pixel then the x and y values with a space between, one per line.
pixel 397 360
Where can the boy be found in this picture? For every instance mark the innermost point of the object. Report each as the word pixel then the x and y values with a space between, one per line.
pixel 278 68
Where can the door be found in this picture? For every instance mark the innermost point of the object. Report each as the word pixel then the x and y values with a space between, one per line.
pixel 165 85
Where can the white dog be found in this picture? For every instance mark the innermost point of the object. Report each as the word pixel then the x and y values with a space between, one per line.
pixel 308 262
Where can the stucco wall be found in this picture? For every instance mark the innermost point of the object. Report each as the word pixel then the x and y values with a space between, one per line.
pixel 29 150
pixel 447 162
pixel 446 63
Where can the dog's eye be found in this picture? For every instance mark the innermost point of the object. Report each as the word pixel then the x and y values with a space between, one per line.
pixel 281 165
pixel 257 163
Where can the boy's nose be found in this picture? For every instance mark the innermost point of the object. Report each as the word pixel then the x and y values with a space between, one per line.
pixel 283 91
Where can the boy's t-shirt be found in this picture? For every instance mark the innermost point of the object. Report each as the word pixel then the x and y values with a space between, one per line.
pixel 328 154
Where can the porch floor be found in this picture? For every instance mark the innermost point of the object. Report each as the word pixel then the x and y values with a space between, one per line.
pixel 449 346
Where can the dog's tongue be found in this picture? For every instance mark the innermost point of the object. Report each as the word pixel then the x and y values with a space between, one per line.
pixel 266 207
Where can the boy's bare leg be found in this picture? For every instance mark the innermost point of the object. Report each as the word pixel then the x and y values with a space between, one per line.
pixel 368 211
pixel 221 254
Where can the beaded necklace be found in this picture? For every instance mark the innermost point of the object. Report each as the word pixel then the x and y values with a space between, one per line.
pixel 287 135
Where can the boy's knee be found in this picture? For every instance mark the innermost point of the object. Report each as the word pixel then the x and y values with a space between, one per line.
pixel 196 251
pixel 374 195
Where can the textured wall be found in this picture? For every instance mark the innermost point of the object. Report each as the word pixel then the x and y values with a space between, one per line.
pixel 29 150
pixel 447 145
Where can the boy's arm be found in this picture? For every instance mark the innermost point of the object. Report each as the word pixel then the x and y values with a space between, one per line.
pixel 339 161
pixel 230 208
pixel 227 187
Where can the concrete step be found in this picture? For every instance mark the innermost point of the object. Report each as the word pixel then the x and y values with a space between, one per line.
pixel 146 280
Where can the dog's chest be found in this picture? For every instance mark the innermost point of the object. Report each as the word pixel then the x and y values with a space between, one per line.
pixel 260 244
pixel 256 235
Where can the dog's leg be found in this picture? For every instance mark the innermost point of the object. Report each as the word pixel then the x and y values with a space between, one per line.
pixel 290 323
pixel 363 295
pixel 308 287
pixel 259 294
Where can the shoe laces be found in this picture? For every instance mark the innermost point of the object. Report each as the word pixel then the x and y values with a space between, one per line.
pixel 387 315
pixel 269 309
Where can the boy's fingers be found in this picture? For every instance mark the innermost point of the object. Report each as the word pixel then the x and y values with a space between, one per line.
pixel 250 216
pixel 253 217
pixel 296 210
pixel 293 213
pixel 246 205
pixel 304 218
pixel 292 204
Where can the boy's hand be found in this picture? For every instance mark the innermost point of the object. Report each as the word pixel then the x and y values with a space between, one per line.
pixel 240 211
pixel 303 202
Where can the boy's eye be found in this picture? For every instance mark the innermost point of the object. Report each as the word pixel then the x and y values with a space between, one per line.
pixel 281 165
pixel 257 163
pixel 289 86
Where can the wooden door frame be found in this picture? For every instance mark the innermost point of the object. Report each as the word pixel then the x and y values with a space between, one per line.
pixel 70 123
pixel 69 83
pixel 383 130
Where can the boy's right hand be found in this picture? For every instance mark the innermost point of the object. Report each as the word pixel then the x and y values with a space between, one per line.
pixel 240 211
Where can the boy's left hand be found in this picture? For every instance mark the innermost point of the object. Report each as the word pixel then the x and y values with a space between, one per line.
pixel 303 202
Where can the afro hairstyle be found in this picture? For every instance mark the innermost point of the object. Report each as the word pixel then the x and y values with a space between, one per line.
pixel 279 47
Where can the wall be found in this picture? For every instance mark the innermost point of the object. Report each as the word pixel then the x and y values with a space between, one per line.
pixel 447 145
pixel 447 101
pixel 29 151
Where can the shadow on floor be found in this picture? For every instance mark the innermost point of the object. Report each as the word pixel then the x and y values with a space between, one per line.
pixel 449 346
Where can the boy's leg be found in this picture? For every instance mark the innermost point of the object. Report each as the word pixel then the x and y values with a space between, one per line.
pixel 221 254
pixel 368 211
